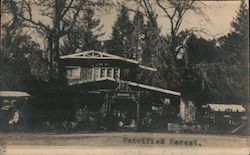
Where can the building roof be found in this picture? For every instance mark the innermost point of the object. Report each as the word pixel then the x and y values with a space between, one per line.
pixel 134 84
pixel 166 91
pixel 13 94
pixel 97 55
pixel 227 107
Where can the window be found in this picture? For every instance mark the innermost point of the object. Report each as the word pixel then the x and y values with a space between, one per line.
pixel 109 72
pixel 116 73
pixel 102 72
pixel 86 73
pixel 73 72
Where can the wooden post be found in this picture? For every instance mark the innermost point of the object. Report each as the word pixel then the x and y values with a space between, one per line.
pixel 137 115
pixel 138 112
pixel 107 102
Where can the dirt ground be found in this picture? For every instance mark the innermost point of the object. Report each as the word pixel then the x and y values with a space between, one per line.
pixel 111 142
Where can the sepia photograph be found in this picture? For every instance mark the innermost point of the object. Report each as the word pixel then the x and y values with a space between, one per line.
pixel 124 77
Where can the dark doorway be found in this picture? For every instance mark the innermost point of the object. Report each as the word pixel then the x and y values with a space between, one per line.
pixel 125 113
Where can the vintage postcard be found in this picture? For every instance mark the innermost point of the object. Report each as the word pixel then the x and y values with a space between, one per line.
pixel 109 77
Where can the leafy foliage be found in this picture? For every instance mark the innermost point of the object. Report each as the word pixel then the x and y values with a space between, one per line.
pixel 15 47
pixel 138 36
pixel 121 34
pixel 234 45
pixel 14 66
pixel 217 70
pixel 62 17
pixel 240 23
pixel 22 62
pixel 214 82
pixel 200 50
pixel 88 31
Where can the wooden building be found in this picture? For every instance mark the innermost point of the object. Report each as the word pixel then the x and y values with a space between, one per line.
pixel 104 83
pixel 221 117
pixel 12 109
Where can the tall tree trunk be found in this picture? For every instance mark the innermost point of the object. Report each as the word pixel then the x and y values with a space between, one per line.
pixel 50 51
pixel 56 36
pixel 56 50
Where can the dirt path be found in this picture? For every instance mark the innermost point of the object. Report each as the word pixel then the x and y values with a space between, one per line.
pixel 123 142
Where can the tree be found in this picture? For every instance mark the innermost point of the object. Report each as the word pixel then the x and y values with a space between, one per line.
pixel 9 28
pixel 15 48
pixel 152 49
pixel 200 50
pixel 14 66
pixel 92 31
pixel 89 30
pixel 121 34
pixel 206 79
pixel 152 42
pixel 138 36
pixel 39 66
pixel 15 73
pixel 61 18
pixel 240 24
pixel 214 82
pixel 234 45
pixel 174 11
pixel 222 80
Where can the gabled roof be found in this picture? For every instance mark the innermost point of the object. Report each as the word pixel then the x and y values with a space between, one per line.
pixel 226 107
pixel 134 84
pixel 97 55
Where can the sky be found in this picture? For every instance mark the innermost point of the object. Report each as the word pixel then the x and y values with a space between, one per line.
pixel 219 13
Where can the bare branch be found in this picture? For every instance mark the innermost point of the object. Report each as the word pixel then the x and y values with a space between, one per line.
pixel 29 19
pixel 66 9
pixel 164 9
